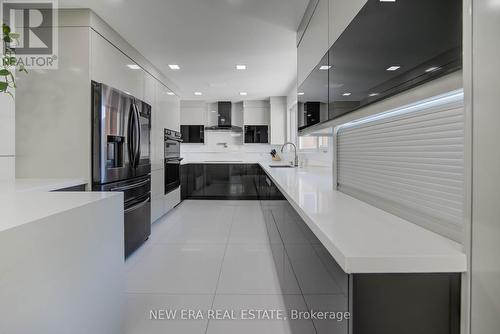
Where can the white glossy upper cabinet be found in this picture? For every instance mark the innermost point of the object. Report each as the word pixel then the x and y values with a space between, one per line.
pixel 110 66
pixel 169 108
pixel 341 13
pixel 278 120
pixel 151 97
pixel 256 113
pixel 314 43
pixel 193 112
pixel 150 90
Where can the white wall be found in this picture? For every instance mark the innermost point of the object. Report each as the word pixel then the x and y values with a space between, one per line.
pixel 7 137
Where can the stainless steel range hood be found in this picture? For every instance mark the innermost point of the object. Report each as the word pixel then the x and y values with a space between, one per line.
pixel 224 119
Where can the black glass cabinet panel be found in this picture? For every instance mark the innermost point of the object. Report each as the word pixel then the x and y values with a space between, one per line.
pixel 313 96
pixel 227 181
pixel 256 134
pixel 193 133
pixel 390 47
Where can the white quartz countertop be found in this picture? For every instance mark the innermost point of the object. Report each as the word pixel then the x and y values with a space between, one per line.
pixel 25 185
pixel 24 201
pixel 359 236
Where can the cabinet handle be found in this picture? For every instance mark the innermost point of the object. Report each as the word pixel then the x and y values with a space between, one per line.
pixel 268 181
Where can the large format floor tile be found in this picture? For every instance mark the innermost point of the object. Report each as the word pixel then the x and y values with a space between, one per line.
pixel 329 303
pixel 180 269
pixel 139 319
pixel 232 255
pixel 210 225
pixel 237 303
pixel 256 269
pixel 248 226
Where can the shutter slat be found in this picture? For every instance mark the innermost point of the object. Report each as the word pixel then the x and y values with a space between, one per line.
pixel 411 162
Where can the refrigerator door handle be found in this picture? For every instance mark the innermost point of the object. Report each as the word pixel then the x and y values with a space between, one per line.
pixel 131 136
pixel 132 186
pixel 138 128
pixel 137 206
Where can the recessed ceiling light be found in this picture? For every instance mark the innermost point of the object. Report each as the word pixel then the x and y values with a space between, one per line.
pixel 393 68
pixel 387 0
pixel 241 67
pixel 432 69
pixel 300 93
pixel 198 93
pixel 174 67
pixel 243 93
pixel 346 94
pixel 170 93
pixel 134 66
pixel 325 67
pixel 213 110
pixel 373 94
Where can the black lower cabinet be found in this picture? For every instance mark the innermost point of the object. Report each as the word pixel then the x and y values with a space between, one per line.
pixel 227 182
pixel 372 303
pixel 406 303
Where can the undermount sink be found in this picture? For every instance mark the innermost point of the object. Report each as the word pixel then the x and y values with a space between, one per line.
pixel 281 166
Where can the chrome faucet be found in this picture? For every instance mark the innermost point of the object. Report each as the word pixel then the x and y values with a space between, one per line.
pixel 296 161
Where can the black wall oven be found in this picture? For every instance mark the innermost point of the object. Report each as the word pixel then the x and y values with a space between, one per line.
pixel 173 160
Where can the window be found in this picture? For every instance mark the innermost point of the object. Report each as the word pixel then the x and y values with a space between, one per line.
pixel 313 143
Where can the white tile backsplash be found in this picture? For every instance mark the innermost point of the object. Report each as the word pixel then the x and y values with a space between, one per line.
pixel 235 149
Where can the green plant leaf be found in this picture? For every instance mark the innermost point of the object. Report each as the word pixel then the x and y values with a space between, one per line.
pixel 3 86
pixel 9 61
pixel 6 29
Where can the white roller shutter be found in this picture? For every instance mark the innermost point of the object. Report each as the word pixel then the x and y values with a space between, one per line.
pixel 410 162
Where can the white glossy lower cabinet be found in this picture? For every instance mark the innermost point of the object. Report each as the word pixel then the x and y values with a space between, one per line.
pixel 161 203
pixel 157 201
pixel 172 199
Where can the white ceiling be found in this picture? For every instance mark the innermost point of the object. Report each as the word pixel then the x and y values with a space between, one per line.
pixel 207 38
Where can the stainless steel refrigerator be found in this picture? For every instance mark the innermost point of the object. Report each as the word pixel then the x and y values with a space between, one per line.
pixel 121 127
